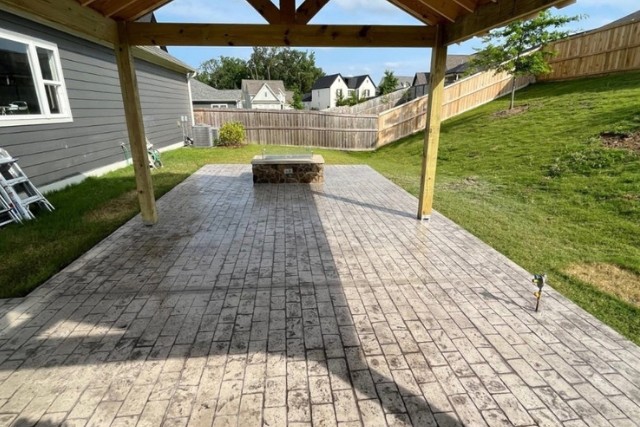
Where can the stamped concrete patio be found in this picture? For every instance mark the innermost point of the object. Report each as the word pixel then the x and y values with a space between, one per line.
pixel 304 305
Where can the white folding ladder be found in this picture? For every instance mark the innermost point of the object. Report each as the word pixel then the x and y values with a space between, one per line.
pixel 20 191
pixel 8 211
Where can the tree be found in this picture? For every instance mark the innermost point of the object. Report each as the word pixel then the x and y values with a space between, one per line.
pixel 223 73
pixel 296 68
pixel 389 83
pixel 519 48
pixel 297 101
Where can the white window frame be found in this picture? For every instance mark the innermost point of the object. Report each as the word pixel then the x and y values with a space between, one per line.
pixel 219 106
pixel 45 117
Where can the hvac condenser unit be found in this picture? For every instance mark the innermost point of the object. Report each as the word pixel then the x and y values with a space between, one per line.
pixel 203 136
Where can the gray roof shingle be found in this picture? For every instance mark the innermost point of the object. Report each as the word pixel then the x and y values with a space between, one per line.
pixel 326 81
pixel 201 92
pixel 253 86
pixel 356 81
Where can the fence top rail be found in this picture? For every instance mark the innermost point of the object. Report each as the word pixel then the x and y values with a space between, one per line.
pixel 595 31
pixel 311 112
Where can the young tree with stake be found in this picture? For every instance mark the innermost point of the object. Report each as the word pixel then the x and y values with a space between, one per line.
pixel 519 48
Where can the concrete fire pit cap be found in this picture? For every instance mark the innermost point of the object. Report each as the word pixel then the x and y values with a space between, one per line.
pixel 284 159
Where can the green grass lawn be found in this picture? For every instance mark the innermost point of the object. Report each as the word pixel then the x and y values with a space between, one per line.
pixel 537 186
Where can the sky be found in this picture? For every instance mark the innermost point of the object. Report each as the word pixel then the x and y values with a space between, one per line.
pixel 348 61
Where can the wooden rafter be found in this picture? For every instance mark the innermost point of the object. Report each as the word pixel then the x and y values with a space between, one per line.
pixel 492 15
pixel 308 9
pixel 163 34
pixel 418 10
pixel 139 9
pixel 287 11
pixel 468 5
pixel 110 7
pixel 448 9
pixel 267 10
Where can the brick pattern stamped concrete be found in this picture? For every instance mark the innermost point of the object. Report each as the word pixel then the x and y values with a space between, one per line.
pixel 304 305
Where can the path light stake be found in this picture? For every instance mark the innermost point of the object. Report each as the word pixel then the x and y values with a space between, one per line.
pixel 539 280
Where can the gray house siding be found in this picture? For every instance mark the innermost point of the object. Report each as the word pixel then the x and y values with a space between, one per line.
pixel 52 152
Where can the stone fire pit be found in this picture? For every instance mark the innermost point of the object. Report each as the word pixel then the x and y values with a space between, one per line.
pixel 285 169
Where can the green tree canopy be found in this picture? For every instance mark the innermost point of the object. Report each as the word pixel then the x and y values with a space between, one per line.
pixel 296 68
pixel 519 48
pixel 389 83
pixel 223 73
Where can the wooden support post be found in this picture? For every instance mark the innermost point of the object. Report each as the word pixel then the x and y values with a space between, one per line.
pixel 432 130
pixel 135 126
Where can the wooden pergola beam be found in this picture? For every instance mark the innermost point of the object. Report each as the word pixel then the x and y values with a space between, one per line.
pixel 135 126
pixel 432 130
pixel 308 9
pixel 267 10
pixel 287 11
pixel 162 34
pixel 492 15
pixel 66 15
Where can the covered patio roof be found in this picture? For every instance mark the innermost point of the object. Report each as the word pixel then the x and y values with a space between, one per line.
pixel 112 23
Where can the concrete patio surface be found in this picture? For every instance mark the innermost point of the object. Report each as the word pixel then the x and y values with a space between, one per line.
pixel 298 305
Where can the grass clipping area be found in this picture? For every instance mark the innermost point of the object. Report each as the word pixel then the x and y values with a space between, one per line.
pixel 541 186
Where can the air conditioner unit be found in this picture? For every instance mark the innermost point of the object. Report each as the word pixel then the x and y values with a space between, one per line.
pixel 202 136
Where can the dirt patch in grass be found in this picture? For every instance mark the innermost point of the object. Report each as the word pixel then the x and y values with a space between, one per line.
pixel 609 278
pixel 626 141
pixel 519 109
pixel 115 209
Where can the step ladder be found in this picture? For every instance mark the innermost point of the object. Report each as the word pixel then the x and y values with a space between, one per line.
pixel 17 192
pixel 8 211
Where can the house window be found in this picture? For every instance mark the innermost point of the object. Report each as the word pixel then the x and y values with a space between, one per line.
pixel 219 106
pixel 338 93
pixel 32 89
pixel 352 92
pixel 367 93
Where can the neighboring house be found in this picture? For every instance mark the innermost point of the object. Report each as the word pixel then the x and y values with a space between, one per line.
pixel 633 17
pixel 404 82
pixel 306 100
pixel 457 66
pixel 69 119
pixel 265 95
pixel 362 86
pixel 327 90
pixel 205 96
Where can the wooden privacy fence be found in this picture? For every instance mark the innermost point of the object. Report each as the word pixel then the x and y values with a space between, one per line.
pixel 600 51
pixel 374 105
pixel 459 97
pixel 302 128
pixel 358 131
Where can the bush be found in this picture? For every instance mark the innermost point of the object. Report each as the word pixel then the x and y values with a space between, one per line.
pixel 231 134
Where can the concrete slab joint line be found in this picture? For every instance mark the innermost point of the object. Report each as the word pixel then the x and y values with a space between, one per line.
pixel 304 305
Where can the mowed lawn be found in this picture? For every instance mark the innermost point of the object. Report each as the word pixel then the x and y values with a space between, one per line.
pixel 538 186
